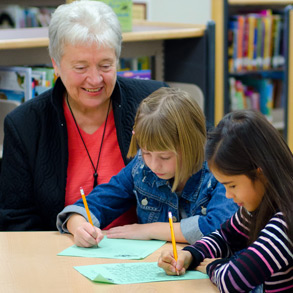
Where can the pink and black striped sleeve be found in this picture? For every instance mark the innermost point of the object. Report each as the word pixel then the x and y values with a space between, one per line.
pixel 268 260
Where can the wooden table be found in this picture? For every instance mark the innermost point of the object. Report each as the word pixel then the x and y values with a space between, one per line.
pixel 29 263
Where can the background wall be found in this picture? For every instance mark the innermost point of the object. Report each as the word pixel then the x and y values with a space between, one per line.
pixel 185 11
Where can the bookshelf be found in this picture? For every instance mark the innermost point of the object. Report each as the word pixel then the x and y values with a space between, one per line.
pixel 180 53
pixel 222 12
pixel 52 3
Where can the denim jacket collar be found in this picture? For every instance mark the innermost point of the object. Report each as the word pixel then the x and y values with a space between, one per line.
pixel 191 189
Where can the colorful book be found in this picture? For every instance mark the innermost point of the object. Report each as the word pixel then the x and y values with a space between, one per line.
pixel 259 43
pixel 276 40
pixel 237 97
pixel 123 10
pixel 237 27
pixel 136 74
pixel 255 41
pixel 231 46
pixel 251 41
pixel 16 83
pixel 245 43
pixel 11 16
pixel 15 16
pixel 265 89
pixel 267 42
pixel 49 73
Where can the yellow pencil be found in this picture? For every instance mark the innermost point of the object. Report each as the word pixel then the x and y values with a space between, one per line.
pixel 86 206
pixel 172 235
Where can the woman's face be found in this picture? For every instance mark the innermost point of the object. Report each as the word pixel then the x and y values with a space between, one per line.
pixel 241 189
pixel 88 73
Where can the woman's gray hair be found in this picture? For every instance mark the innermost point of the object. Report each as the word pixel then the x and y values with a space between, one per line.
pixel 83 22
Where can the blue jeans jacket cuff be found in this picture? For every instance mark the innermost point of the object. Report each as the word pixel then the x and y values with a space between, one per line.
pixel 190 229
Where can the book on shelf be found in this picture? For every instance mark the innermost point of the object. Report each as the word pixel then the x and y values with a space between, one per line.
pixel 242 96
pixel 139 63
pixel 251 41
pixel 260 42
pixel 136 74
pixel 277 32
pixel 255 41
pixel 16 16
pixel 267 53
pixel 44 78
pixel 231 45
pixel 139 68
pixel 261 94
pixel 240 33
pixel 279 94
pixel 15 83
pixel 123 10
pixel 20 83
pixel 11 16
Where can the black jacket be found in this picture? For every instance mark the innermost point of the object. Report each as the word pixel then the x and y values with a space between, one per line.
pixel 35 153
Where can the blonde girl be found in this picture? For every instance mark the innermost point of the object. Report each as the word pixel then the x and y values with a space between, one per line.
pixel 168 173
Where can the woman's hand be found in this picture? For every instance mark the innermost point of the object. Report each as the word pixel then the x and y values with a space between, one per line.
pixel 133 231
pixel 85 235
pixel 202 267
pixel 171 267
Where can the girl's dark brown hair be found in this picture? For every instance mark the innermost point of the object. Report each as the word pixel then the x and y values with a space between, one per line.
pixel 244 142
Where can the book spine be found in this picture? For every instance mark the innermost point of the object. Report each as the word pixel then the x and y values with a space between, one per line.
pixel 267 42
pixel 254 58
pixel 259 46
pixel 231 46
pixel 245 42
pixel 240 34
pixel 251 31
pixel 266 101
pixel 276 41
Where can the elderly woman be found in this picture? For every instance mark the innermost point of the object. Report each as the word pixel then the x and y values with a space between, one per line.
pixel 76 134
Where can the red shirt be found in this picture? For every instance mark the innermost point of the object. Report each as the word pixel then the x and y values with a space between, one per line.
pixel 80 170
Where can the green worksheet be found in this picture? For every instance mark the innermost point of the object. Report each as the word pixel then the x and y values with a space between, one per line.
pixel 130 273
pixel 116 248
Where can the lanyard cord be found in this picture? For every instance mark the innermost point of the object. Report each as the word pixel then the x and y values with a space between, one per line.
pixel 95 168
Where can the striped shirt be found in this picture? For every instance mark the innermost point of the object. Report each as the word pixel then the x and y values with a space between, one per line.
pixel 268 260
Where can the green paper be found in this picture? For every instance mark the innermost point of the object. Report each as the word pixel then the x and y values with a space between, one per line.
pixel 116 248
pixel 131 273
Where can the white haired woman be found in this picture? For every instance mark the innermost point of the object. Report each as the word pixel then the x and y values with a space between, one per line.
pixel 77 133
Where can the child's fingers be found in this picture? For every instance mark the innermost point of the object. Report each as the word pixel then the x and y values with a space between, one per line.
pixel 100 235
pixel 168 268
pixel 85 235
pixel 183 261
pixel 95 234
pixel 167 263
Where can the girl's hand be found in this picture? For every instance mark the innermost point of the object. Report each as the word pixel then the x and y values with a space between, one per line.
pixel 202 267
pixel 87 235
pixel 158 230
pixel 133 231
pixel 171 267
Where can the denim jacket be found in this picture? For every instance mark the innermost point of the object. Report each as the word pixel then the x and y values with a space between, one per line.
pixel 202 201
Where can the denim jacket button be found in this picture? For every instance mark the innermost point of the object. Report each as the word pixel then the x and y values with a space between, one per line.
pixel 203 210
pixel 144 202
pixel 174 219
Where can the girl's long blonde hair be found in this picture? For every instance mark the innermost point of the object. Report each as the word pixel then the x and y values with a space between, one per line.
pixel 171 120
